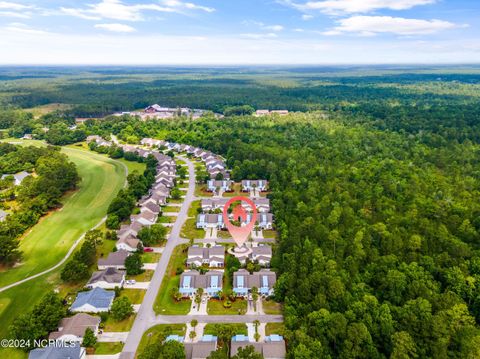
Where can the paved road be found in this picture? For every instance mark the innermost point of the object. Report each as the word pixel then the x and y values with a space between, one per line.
pixel 247 318
pixel 146 316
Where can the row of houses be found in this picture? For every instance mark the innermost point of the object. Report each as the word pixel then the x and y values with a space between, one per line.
pixel 214 257
pixel 150 205
pixel 218 203
pixel 214 164
pixel 272 347
pixel 215 220
pixel 212 282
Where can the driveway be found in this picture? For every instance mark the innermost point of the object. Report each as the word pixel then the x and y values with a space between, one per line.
pixel 112 337
pixel 137 285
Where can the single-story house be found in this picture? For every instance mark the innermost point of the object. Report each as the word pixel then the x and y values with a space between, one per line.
pixel 146 218
pixel 73 329
pixel 114 260
pixel 249 185
pixel 128 243
pixel 93 301
pixel 273 346
pixel 107 279
pixel 191 280
pixel 210 221
pixel 201 349
pixel 224 185
pixel 264 220
pixel 263 280
pixel 59 352
pixel 150 206
pixel 213 256
pixel 17 177
pixel 262 255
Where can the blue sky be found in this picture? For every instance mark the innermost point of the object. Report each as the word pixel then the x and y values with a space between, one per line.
pixel 239 32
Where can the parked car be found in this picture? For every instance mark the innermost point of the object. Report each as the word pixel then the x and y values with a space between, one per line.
pixel 148 249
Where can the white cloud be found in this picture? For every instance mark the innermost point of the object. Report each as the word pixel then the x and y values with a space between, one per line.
pixel 115 27
pixel 307 17
pixel 7 5
pixel 274 27
pixel 371 25
pixel 269 35
pixel 57 48
pixel 16 27
pixel 336 7
pixel 116 10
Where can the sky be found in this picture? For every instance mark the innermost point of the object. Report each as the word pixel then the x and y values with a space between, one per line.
pixel 235 32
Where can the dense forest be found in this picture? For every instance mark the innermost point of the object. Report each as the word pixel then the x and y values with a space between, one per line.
pixel 52 175
pixel 379 230
pixel 375 190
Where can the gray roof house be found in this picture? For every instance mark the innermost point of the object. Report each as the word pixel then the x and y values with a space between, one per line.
pixel 210 221
pixel 211 282
pixel 262 254
pixel 264 220
pixel 260 185
pixel 146 218
pixel 272 348
pixel 59 352
pixel 93 301
pixel 224 185
pixel 107 279
pixel 213 256
pixel 150 206
pixel 263 280
pixel 127 242
pixel 73 329
pixel 114 260
pixel 201 349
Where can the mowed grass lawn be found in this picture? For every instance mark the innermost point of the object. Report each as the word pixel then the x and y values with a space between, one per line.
pixel 50 239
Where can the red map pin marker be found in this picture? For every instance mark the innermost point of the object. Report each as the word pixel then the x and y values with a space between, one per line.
pixel 239 234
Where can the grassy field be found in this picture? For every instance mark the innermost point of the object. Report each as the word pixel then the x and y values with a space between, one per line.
pixel 201 191
pixel 159 333
pixel 271 307
pixel 193 209
pixel 171 209
pixel 215 307
pixel 135 295
pixel 48 242
pixel 275 328
pixel 133 166
pixel 146 276
pixel 164 303
pixel 151 257
pixel 190 231
pixel 111 325
pixel 108 348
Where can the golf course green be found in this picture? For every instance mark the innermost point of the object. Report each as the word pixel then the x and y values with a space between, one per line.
pixel 49 241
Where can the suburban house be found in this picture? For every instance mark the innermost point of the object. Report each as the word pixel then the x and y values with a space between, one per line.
pixel 263 280
pixel 114 260
pixel 58 352
pixel 273 346
pixel 264 220
pixel 93 301
pixel 107 279
pixel 159 198
pixel 73 329
pixel 211 204
pixel 210 221
pixel 212 257
pixel 249 185
pixel 17 177
pixel 262 255
pixel 214 185
pixel 150 206
pixel 146 218
pixel 127 242
pixel 191 280
pixel 201 349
